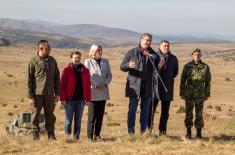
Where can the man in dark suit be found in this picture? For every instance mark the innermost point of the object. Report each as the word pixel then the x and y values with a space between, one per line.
pixel 140 80
pixel 168 67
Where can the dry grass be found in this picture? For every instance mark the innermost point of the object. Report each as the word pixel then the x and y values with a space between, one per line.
pixel 219 125
pixel 121 144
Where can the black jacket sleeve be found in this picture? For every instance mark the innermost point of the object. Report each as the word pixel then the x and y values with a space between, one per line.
pixel 125 63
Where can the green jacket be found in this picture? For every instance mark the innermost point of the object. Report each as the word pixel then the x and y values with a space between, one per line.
pixel 43 76
pixel 195 80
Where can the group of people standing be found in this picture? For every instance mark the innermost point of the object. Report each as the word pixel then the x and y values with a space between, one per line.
pixel 144 65
pixel 79 84
pixel 150 79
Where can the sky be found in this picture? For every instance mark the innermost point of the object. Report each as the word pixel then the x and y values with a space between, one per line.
pixel 153 16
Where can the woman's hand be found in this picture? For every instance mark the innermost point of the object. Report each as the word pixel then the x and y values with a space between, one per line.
pixel 101 86
pixel 63 103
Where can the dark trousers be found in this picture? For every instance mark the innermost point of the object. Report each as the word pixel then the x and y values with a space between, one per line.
pixel 165 106
pixel 95 118
pixel 47 103
pixel 199 122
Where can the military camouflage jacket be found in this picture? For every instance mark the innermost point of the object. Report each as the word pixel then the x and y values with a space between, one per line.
pixel 43 77
pixel 195 80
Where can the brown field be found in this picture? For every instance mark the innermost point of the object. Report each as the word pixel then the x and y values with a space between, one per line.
pixel 219 137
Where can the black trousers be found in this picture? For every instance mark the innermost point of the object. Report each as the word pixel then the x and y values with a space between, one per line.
pixel 95 118
pixel 165 106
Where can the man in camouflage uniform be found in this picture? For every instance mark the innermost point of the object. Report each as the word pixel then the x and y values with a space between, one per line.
pixel 195 89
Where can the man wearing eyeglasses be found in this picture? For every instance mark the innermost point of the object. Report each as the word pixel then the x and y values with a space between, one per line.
pixel 138 62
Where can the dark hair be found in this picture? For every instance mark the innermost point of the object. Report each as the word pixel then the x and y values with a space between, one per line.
pixel 146 34
pixel 42 42
pixel 74 53
pixel 165 41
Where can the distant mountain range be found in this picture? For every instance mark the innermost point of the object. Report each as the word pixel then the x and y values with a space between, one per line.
pixel 32 37
pixel 80 35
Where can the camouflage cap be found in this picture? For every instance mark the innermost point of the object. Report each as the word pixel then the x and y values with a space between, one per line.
pixel 196 50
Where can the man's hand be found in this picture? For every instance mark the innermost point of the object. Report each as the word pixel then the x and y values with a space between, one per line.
pixel 56 98
pixel 131 64
pixel 87 103
pixel 32 102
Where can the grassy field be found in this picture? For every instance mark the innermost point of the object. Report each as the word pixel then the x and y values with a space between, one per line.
pixel 219 110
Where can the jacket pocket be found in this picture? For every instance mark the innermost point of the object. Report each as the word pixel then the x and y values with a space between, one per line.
pixel 199 91
pixel 131 80
pixel 188 92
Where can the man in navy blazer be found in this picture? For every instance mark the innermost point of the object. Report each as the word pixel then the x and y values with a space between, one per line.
pixel 168 72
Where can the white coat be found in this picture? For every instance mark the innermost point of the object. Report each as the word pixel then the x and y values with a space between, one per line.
pixel 99 75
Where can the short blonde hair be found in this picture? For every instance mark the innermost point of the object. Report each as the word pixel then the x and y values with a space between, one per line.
pixel 93 50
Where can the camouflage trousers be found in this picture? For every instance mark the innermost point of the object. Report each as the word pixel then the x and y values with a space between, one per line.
pixel 47 103
pixel 189 105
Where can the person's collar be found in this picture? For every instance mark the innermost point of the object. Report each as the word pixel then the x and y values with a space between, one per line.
pixel 143 49
pixel 41 57
pixel 78 66
pixel 159 50
pixel 199 62
pixel 98 59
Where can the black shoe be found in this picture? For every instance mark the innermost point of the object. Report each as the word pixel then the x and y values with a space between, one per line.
pixel 189 133
pixel 90 137
pixel 76 137
pixel 199 133
pixel 36 135
pixel 162 133
pixel 51 135
pixel 131 133
pixel 98 138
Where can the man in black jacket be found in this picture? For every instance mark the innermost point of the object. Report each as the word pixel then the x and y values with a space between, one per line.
pixel 169 70
pixel 141 81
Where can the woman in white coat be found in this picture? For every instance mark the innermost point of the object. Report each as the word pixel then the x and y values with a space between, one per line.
pixel 100 75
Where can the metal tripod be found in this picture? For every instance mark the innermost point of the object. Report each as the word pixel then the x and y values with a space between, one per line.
pixel 154 84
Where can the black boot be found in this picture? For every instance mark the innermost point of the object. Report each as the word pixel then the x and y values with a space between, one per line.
pixel 36 135
pixel 51 135
pixel 199 133
pixel 189 133
pixel 90 137
pixel 97 138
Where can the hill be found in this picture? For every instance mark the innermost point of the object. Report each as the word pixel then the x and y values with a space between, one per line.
pixel 32 37
pixel 107 36
pixel 97 34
